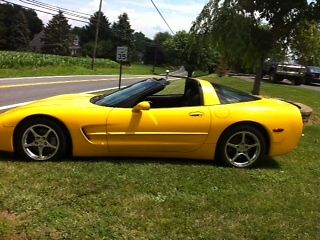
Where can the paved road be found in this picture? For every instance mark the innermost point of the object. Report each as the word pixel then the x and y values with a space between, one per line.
pixel 315 87
pixel 19 90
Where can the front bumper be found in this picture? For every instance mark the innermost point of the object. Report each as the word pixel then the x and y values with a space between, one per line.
pixel 6 138
pixel 290 74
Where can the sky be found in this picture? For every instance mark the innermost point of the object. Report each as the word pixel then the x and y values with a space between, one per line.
pixel 142 14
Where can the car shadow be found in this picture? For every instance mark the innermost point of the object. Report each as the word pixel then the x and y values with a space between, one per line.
pixel 147 160
pixel 10 157
pixel 267 163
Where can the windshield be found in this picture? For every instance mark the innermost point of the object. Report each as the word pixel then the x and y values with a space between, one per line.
pixel 314 69
pixel 229 95
pixel 127 97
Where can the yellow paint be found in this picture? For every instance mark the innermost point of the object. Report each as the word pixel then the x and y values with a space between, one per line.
pixel 167 129
pixel 181 132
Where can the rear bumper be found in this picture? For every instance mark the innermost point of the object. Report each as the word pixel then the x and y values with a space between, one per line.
pixel 291 136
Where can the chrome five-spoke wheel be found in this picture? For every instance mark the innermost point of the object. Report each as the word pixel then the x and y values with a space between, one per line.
pixel 242 146
pixel 41 139
pixel 40 142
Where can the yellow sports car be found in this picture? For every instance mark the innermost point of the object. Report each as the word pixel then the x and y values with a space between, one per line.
pixel 189 118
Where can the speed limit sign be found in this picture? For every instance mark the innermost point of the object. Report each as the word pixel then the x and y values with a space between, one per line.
pixel 122 54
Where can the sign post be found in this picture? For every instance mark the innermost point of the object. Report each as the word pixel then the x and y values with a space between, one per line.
pixel 122 56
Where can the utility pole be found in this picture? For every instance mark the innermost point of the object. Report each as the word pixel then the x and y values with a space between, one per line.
pixel 155 56
pixel 96 37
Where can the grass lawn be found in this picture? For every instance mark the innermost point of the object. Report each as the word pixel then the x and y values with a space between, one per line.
pixel 167 199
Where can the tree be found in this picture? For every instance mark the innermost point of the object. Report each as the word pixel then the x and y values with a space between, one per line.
pixel 122 32
pixel 35 24
pixel 157 53
pixel 188 50
pixel 89 31
pixel 306 43
pixel 140 43
pixel 16 21
pixel 104 49
pixel 57 36
pixel 249 30
pixel 3 27
pixel 19 34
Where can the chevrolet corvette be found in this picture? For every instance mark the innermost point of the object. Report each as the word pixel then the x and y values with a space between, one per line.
pixel 194 119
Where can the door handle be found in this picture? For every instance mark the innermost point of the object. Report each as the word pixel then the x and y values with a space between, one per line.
pixel 196 114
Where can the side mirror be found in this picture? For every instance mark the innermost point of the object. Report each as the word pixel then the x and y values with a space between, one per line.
pixel 141 106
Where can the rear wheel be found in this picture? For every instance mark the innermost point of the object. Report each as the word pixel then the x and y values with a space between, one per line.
pixel 242 146
pixel 41 139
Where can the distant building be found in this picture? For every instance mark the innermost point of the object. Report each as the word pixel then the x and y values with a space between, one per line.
pixel 75 49
pixel 36 44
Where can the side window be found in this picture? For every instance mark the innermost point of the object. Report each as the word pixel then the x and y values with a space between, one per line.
pixel 179 93
pixel 228 95
pixel 175 87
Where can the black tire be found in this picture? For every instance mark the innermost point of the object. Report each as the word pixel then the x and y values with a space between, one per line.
pixel 273 77
pixel 298 81
pixel 306 81
pixel 242 147
pixel 41 139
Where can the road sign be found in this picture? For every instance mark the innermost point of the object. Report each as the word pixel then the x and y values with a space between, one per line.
pixel 122 54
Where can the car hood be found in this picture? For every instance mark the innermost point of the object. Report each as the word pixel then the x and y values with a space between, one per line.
pixel 62 102
pixel 61 105
pixel 64 99
pixel 67 100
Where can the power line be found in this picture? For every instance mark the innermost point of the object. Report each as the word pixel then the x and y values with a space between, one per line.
pixel 162 16
pixel 38 10
pixel 56 9
pixel 81 13
pixel 53 8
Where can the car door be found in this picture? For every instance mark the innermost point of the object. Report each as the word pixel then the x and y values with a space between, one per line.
pixel 180 129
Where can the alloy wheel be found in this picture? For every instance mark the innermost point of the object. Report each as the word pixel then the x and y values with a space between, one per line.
pixel 40 142
pixel 242 149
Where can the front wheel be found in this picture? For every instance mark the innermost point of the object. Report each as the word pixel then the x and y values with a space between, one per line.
pixel 242 146
pixel 40 140
pixel 273 77
pixel 306 81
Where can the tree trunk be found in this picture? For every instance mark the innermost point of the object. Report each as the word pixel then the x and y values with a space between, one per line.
pixel 258 78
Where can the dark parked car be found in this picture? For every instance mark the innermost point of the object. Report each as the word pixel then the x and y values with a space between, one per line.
pixel 312 75
pixel 278 71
